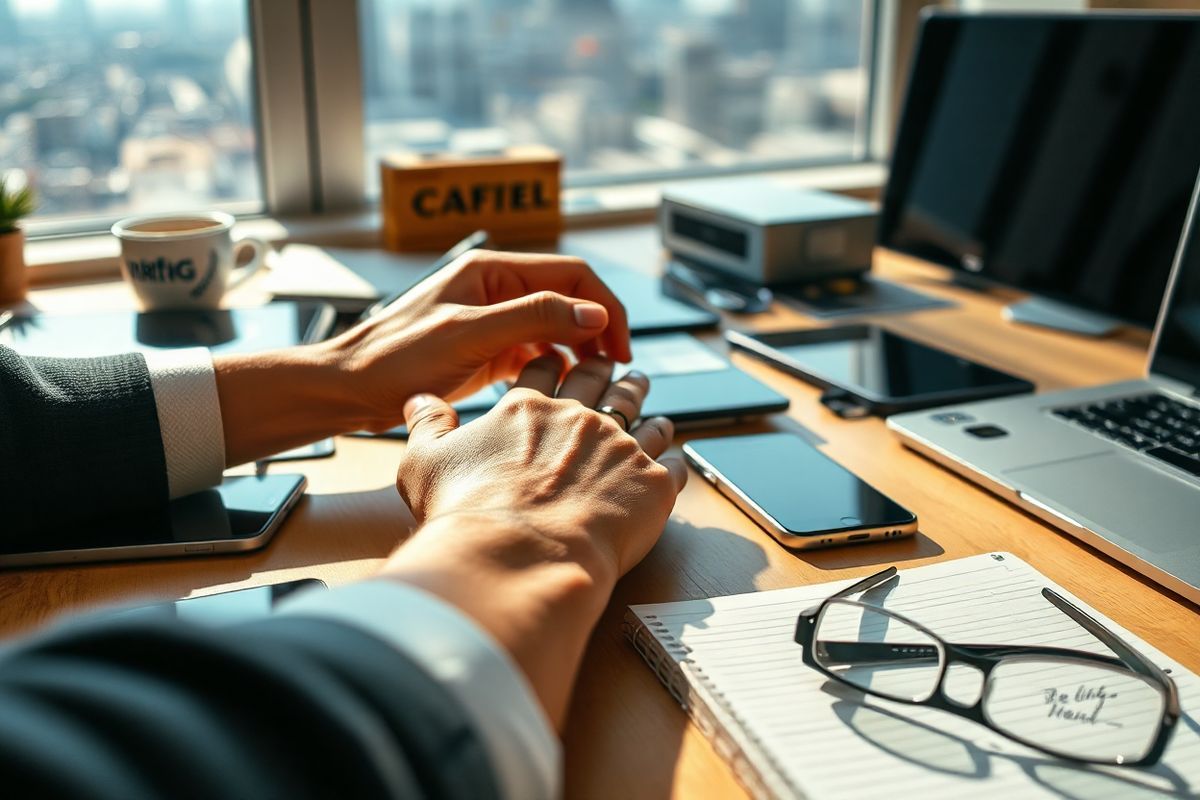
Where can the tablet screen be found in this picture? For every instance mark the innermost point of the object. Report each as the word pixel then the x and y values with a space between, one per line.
pixel 234 330
pixel 881 363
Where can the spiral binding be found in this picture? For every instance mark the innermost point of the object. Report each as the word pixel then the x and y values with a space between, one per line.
pixel 660 650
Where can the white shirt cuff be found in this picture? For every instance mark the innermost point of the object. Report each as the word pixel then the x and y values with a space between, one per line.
pixel 189 417
pixel 519 740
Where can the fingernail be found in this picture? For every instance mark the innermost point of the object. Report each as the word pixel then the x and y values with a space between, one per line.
pixel 636 375
pixel 416 403
pixel 589 315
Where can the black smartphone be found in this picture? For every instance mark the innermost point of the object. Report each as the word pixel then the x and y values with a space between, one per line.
pixel 797 494
pixel 322 448
pixel 238 605
pixel 870 368
pixel 706 399
pixel 241 514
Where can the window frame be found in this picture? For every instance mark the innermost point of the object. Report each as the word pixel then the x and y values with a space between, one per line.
pixel 307 77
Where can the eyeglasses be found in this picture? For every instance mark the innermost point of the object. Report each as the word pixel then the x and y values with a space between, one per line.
pixel 1068 703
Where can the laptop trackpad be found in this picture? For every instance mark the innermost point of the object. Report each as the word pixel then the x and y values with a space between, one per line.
pixel 1146 509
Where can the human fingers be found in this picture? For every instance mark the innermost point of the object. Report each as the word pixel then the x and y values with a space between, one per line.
pixel 518 274
pixel 654 435
pixel 678 470
pixel 428 418
pixel 622 400
pixel 587 381
pixel 542 374
pixel 542 316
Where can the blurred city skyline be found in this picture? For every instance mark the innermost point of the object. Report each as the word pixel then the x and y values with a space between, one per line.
pixel 619 86
pixel 110 106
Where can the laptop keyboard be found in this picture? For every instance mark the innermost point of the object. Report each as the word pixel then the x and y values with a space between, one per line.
pixel 1154 424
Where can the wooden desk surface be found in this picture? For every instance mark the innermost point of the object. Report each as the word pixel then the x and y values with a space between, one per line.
pixel 626 737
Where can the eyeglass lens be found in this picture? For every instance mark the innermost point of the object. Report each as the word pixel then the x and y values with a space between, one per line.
pixel 877 652
pixel 1075 708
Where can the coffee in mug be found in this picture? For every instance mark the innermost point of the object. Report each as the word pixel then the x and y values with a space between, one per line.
pixel 183 260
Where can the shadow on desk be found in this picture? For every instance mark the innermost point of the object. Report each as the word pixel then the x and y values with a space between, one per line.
pixel 877 554
pixel 940 751
pixel 635 724
pixel 322 534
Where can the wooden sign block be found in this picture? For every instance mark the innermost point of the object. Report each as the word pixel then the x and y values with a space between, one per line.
pixel 429 203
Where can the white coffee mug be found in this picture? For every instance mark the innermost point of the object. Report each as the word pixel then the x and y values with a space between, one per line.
pixel 183 260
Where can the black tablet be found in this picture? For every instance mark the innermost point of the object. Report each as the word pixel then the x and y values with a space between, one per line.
pixel 689 383
pixel 872 369
pixel 649 307
pixel 722 397
pixel 240 515
pixel 232 330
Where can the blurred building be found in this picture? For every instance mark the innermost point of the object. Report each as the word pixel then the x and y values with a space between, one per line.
pixel 98 102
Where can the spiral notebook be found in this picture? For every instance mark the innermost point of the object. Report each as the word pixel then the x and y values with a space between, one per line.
pixel 789 732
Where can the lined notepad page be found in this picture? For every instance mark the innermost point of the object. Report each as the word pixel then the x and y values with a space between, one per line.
pixel 811 737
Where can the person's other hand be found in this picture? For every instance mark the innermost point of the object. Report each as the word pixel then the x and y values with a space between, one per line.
pixel 532 511
pixel 546 458
pixel 478 321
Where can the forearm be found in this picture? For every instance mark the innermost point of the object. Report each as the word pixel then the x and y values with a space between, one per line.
pixel 537 600
pixel 83 429
pixel 274 401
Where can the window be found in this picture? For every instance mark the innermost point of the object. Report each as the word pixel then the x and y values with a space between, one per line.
pixel 622 88
pixel 110 107
pixel 117 106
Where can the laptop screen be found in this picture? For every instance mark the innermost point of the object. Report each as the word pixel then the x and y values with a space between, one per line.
pixel 1051 153
pixel 1177 354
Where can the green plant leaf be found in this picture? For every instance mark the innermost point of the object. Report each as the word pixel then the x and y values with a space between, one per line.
pixel 15 205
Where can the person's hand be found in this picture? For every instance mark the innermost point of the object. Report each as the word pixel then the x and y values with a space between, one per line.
pixel 544 457
pixel 478 321
pixel 532 511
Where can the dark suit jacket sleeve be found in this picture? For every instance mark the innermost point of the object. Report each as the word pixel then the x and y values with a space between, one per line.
pixel 79 439
pixel 289 707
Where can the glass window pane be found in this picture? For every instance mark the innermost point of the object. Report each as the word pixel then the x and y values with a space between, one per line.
pixel 621 87
pixel 117 106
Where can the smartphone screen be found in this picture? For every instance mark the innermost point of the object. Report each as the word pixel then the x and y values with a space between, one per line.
pixel 239 605
pixel 241 509
pixel 794 490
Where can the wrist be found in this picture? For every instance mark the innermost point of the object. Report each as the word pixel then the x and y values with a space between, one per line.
pixel 510 547
pixel 354 378
pixel 538 603
pixel 280 399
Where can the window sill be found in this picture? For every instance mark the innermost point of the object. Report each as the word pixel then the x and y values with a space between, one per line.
pixel 94 256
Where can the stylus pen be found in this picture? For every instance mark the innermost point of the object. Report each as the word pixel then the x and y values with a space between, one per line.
pixel 473 242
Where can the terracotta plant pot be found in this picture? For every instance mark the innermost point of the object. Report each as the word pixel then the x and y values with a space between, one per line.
pixel 14 280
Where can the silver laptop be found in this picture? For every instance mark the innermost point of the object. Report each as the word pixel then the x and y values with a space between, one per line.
pixel 1118 466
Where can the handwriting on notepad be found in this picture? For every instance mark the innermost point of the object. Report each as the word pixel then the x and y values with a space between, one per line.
pixel 1083 705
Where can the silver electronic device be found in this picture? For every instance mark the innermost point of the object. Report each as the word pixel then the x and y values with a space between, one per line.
pixel 1117 466
pixel 240 515
pixel 767 233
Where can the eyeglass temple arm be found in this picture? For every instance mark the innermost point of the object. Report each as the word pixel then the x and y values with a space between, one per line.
pixel 1131 657
pixel 866 583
